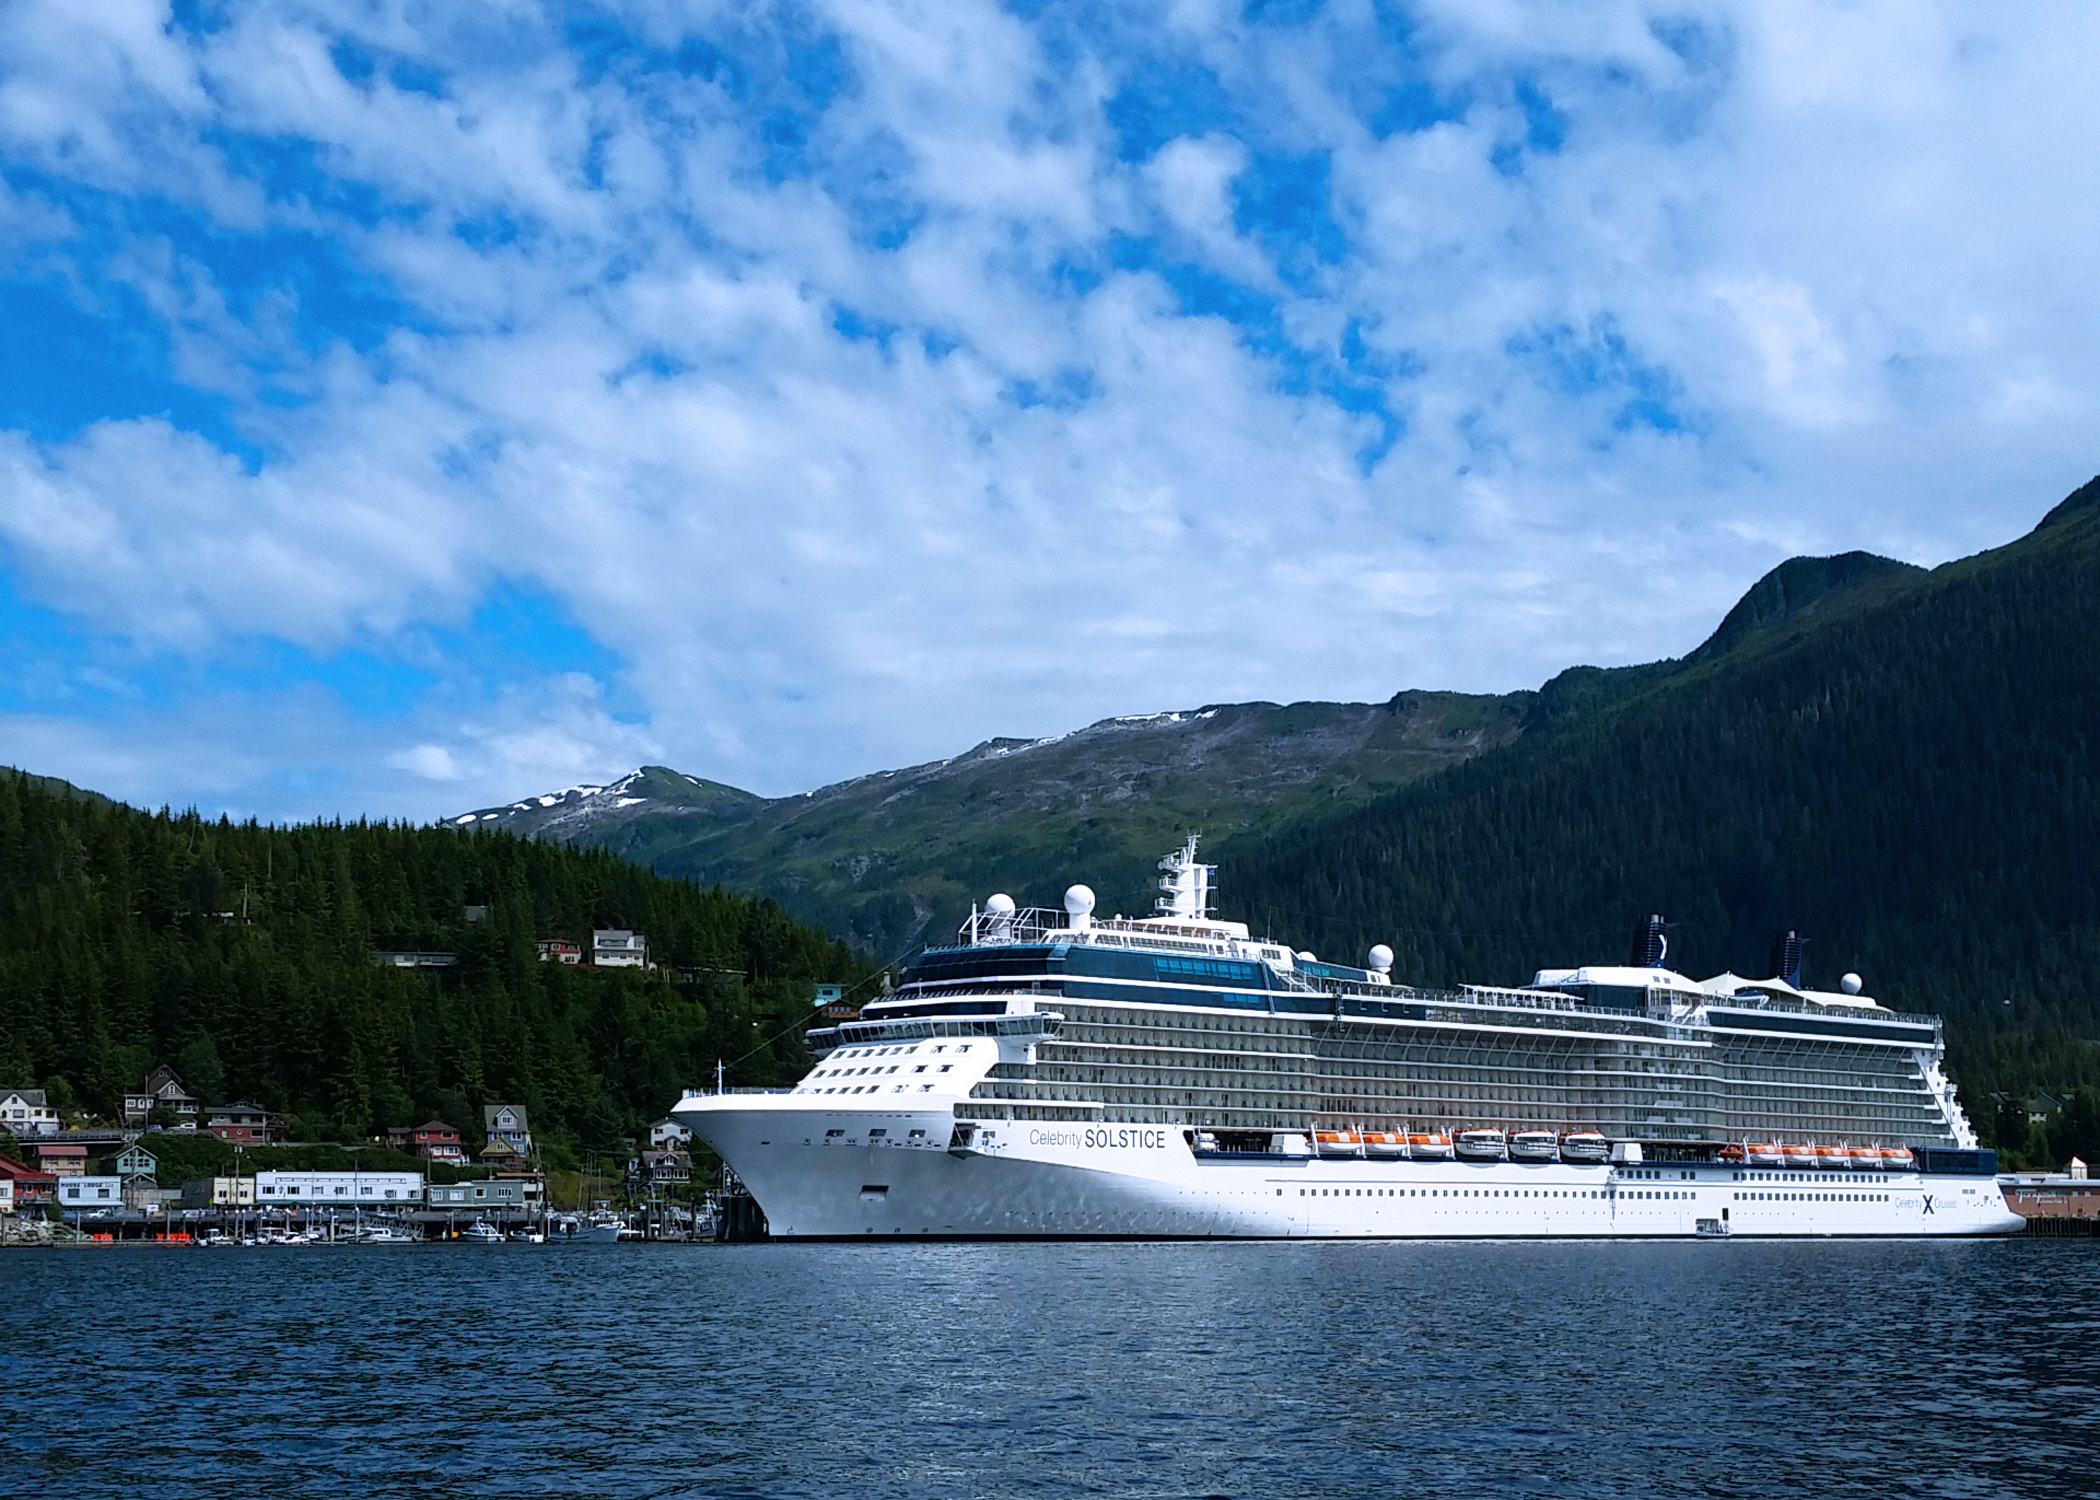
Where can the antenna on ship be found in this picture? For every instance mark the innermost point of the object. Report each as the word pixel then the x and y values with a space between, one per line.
pixel 1186 883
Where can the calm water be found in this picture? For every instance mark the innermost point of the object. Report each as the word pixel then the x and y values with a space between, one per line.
pixel 1054 1370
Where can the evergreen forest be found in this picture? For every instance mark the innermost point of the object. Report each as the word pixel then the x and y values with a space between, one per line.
pixel 1901 765
pixel 244 955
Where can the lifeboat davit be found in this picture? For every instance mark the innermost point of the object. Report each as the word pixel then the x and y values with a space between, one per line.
pixel 1534 1145
pixel 1584 1146
pixel 1337 1143
pixel 1767 1154
pixel 1386 1145
pixel 1432 1146
pixel 1481 1145
pixel 1798 1155
pixel 1897 1158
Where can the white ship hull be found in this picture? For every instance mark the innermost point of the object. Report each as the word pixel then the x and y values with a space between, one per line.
pixel 1111 1180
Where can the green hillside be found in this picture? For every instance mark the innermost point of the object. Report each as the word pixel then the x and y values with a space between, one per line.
pixel 895 858
pixel 1904 765
pixel 244 955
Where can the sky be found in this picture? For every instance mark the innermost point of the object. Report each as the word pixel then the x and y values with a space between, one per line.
pixel 408 407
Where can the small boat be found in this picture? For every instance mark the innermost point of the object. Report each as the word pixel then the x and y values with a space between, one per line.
pixel 602 1229
pixel 1534 1145
pixel 1481 1145
pixel 1733 1155
pixel 1584 1146
pixel 1799 1155
pixel 1864 1157
pixel 1897 1158
pixel 386 1234
pixel 1430 1146
pixel 1767 1154
pixel 482 1233
pixel 1337 1143
pixel 1831 1156
pixel 1385 1145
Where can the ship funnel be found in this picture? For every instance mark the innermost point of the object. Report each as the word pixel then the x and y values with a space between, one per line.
pixel 1651 944
pixel 1786 956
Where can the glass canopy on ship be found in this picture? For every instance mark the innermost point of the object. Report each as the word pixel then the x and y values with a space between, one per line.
pixel 1181 1019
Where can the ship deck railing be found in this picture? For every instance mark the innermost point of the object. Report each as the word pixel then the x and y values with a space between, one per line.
pixel 1042 925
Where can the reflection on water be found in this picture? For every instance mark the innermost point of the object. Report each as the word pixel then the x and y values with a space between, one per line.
pixel 1872 1369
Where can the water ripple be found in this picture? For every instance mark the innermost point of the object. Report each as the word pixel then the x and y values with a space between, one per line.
pixel 933 1371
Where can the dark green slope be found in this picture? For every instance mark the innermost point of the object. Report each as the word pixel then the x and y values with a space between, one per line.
pixel 244 955
pixel 1904 765
pixel 895 858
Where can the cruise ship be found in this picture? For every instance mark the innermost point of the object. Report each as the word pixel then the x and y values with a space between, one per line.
pixel 1054 1074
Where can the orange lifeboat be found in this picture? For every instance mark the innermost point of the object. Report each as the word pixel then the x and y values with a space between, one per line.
pixel 1864 1156
pixel 1733 1155
pixel 1386 1145
pixel 1767 1154
pixel 1337 1143
pixel 1897 1158
pixel 1798 1155
pixel 1831 1156
pixel 1433 1145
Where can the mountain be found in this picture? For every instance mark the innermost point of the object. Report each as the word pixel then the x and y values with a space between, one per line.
pixel 894 857
pixel 1902 764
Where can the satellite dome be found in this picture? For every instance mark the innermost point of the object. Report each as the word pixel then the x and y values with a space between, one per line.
pixel 1079 900
pixel 1381 958
pixel 1850 984
pixel 1307 955
pixel 1000 904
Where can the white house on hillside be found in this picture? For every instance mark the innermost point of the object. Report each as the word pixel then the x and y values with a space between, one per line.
pixel 617 948
pixel 25 1112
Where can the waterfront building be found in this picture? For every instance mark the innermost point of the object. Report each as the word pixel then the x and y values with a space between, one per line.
pixel 28 1189
pixel 26 1112
pixel 494 1195
pixel 63 1158
pixel 667 1135
pixel 242 1123
pixel 617 948
pixel 84 1194
pixel 2069 1194
pixel 559 951
pixel 338 1189
pixel 219 1192
pixel 532 1186
pixel 162 1087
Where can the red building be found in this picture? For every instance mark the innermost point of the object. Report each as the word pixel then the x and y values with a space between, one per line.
pixel 243 1124
pixel 32 1190
pixel 433 1140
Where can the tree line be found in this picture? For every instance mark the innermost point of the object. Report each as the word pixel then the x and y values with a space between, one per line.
pixel 243 955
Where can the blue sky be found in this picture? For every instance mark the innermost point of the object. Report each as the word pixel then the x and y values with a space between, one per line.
pixel 409 407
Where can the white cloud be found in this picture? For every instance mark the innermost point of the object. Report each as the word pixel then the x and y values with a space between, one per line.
pixel 1819 280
